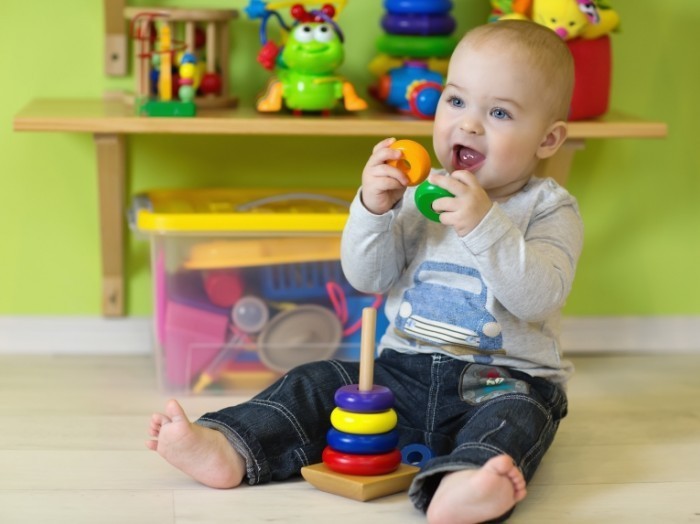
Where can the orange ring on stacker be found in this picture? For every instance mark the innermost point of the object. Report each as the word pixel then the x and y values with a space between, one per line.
pixel 415 163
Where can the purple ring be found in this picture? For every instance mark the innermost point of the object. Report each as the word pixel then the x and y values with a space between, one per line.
pixel 418 24
pixel 350 398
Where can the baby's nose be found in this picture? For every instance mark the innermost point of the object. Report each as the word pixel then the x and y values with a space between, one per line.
pixel 472 126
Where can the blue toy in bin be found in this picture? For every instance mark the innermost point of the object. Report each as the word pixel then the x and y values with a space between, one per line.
pixel 301 281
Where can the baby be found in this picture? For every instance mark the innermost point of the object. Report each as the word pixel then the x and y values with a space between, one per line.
pixel 472 351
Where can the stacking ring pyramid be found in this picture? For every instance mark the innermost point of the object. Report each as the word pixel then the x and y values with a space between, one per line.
pixel 361 460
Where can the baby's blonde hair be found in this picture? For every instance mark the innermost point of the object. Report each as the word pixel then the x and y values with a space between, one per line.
pixel 545 52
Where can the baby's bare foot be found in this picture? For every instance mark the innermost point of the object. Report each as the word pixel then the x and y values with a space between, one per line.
pixel 476 495
pixel 203 453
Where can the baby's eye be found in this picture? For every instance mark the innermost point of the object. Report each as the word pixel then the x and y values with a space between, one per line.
pixel 500 113
pixel 455 101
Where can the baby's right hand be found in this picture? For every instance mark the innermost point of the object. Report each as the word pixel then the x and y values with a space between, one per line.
pixel 382 185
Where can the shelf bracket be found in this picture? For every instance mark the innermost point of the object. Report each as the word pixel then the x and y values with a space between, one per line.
pixel 115 38
pixel 111 171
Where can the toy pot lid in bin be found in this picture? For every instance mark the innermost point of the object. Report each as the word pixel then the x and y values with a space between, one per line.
pixel 304 334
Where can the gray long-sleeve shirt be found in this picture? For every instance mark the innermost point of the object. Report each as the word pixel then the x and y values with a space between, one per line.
pixel 493 296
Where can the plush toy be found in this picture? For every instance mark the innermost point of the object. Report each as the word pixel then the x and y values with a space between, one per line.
pixel 575 18
pixel 570 19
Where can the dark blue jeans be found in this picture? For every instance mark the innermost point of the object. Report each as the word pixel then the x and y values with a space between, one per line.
pixel 465 413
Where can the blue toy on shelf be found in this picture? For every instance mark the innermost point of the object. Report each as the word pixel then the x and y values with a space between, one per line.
pixel 413 55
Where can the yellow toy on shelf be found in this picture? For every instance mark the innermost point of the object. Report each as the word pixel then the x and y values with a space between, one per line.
pixel 570 19
pixel 575 18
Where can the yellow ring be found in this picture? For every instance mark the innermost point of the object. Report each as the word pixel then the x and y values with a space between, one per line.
pixel 415 163
pixel 363 423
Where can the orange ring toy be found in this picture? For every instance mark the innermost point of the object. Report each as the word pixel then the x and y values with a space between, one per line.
pixel 415 163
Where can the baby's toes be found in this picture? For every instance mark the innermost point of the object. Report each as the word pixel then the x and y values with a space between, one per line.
pixel 157 421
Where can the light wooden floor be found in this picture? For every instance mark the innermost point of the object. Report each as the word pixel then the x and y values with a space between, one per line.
pixel 72 431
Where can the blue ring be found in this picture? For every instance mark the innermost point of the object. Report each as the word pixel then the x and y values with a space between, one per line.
pixel 419 7
pixel 408 452
pixel 424 25
pixel 362 444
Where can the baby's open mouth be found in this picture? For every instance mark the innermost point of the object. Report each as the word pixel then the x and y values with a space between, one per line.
pixel 467 158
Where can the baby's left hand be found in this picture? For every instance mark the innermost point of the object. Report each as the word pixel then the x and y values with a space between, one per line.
pixel 469 205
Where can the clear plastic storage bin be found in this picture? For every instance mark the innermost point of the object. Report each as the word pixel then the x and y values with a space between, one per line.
pixel 247 284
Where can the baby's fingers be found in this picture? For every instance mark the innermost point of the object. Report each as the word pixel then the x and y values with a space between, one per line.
pixel 390 172
pixel 383 144
pixel 382 156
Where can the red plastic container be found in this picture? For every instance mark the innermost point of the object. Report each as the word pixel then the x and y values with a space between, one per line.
pixel 593 68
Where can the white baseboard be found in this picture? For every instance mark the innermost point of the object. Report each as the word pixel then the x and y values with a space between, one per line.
pixel 631 334
pixel 75 335
pixel 132 335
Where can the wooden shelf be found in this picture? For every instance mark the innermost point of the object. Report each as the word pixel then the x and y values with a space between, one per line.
pixel 109 121
pixel 115 117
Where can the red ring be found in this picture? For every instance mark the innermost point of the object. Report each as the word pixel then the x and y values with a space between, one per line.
pixel 364 465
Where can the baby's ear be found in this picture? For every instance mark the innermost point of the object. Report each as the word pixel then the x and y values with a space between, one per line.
pixel 553 139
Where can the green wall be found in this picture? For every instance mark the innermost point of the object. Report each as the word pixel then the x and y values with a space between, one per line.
pixel 639 198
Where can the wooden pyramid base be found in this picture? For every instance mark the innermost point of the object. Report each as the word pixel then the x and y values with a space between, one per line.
pixel 358 487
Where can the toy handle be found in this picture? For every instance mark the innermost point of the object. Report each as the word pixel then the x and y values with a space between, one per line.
pixel 267 56
pixel 290 197
pixel 369 321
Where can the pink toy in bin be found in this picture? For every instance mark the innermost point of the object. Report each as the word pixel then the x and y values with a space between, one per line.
pixel 593 65
pixel 193 337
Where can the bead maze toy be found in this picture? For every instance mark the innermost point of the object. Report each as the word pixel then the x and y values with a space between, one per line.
pixel 182 59
pixel 361 460
pixel 304 65
pixel 415 164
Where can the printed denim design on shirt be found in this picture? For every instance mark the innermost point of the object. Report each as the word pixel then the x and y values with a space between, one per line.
pixel 447 307
pixel 481 383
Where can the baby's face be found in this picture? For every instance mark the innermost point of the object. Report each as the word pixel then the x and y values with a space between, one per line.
pixel 491 118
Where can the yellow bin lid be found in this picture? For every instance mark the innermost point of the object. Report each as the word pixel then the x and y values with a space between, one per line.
pixel 232 210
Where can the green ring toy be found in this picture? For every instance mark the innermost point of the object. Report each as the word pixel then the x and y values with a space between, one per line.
pixel 426 194
pixel 417 46
pixel 363 423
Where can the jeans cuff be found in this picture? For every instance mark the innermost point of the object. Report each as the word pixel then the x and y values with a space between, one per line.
pixel 257 471
pixel 428 479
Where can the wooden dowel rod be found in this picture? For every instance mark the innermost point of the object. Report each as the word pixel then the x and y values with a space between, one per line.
pixel 211 47
pixel 369 321
pixel 190 32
